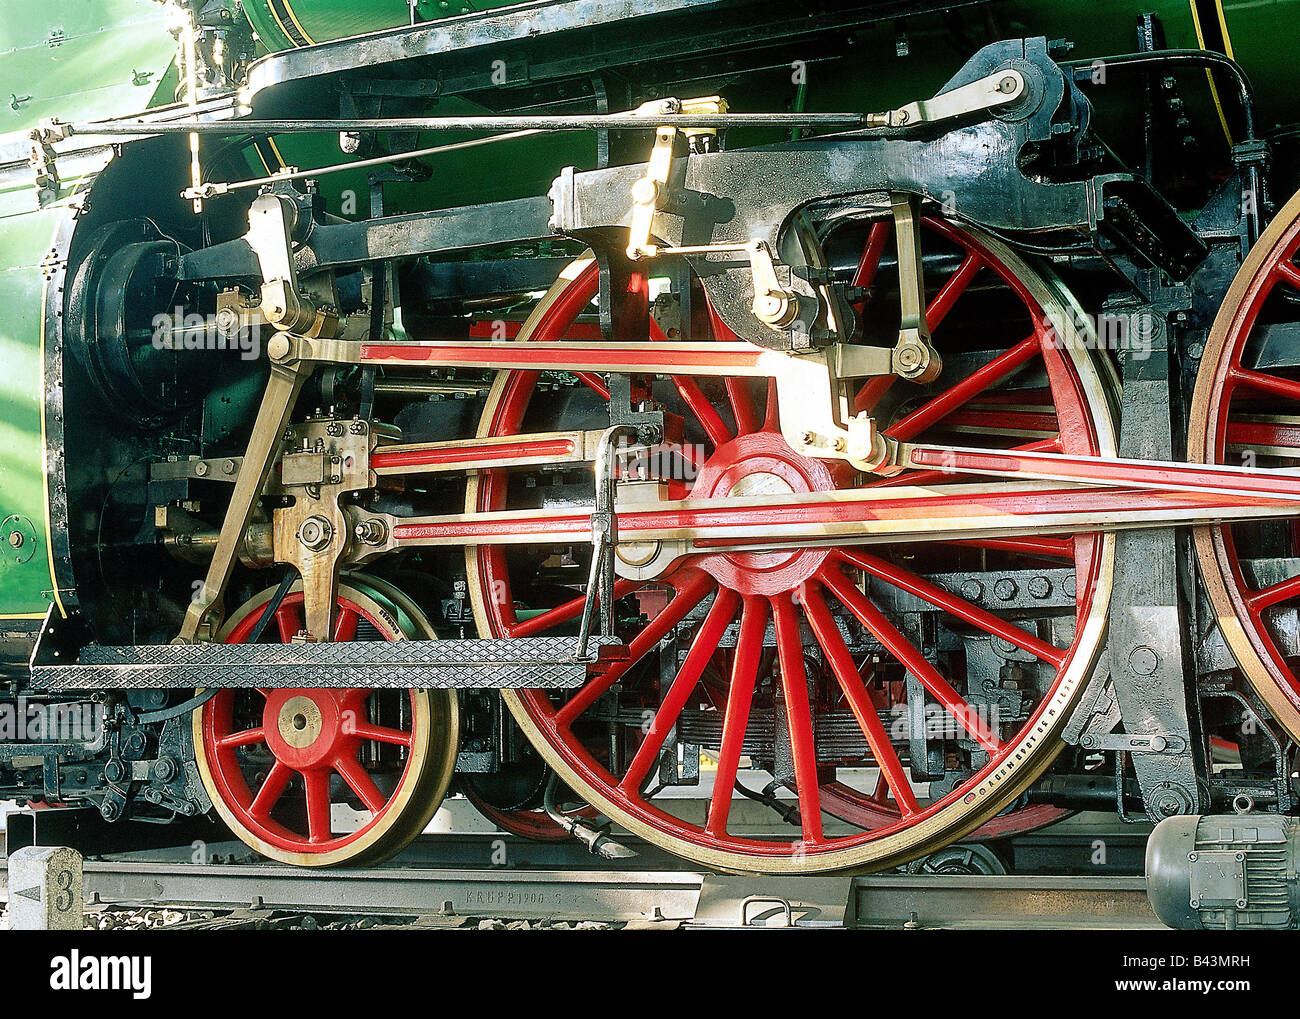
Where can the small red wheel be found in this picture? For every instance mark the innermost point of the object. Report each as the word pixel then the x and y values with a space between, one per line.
pixel 760 632
pixel 1246 410
pixel 277 762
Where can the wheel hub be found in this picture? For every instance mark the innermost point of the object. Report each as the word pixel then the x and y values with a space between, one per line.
pixel 755 465
pixel 305 728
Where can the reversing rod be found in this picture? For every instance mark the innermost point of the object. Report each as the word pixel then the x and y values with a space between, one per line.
pixel 131 127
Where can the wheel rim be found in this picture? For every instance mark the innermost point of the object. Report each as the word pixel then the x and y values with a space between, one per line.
pixel 1244 412
pixel 276 761
pixel 751 593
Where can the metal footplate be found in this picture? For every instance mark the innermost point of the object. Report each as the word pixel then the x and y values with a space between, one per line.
pixel 522 663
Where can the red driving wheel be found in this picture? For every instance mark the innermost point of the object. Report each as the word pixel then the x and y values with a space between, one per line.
pixel 1246 410
pixel 811 676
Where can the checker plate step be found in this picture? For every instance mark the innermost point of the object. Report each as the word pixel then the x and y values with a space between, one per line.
pixel 522 663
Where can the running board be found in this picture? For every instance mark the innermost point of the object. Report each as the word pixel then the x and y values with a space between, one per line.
pixel 523 663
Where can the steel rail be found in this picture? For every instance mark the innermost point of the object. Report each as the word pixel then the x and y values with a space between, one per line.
pixel 686 897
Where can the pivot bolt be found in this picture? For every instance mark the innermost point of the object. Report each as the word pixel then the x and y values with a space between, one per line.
pixel 164 769
pixel 1007 85
pixel 16 539
pixel 315 533
pixel 371 532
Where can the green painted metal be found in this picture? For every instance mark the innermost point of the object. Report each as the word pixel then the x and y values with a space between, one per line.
pixel 96 59
pixel 57 58
pixel 285 24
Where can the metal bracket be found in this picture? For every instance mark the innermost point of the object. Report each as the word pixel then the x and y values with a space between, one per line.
pixel 1150 743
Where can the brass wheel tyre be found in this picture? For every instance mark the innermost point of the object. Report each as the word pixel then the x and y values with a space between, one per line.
pixel 1246 411
pixel 275 762
pixel 1075 404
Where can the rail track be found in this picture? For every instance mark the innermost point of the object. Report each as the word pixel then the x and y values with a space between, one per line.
pixel 449 881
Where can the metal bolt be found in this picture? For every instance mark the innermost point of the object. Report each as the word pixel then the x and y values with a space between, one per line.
pixel 972 590
pixel 1007 85
pixel 1040 587
pixel 1006 589
pixel 372 531
pixel 315 533
pixel 228 467
pixel 201 469
pixel 16 539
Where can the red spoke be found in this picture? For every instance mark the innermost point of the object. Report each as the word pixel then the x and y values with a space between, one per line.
pixel 243 739
pixel 691 589
pixel 571 609
pixel 740 693
pixel 872 391
pixel 273 787
pixel 910 656
pixel 381 734
pixel 743 406
pixel 841 662
pixel 361 782
pixel 721 613
pixel 877 238
pixel 316 786
pixel 1259 600
pixel 1266 435
pixel 594 381
pixel 345 624
pixel 1286 269
pixel 954 286
pixel 976 382
pixel 798 713
pixel 955 605
pixel 1044 548
pixel 288 621
pixel 1265 383
pixel 702 407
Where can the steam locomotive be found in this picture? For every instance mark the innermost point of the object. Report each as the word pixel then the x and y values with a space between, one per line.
pixel 801 436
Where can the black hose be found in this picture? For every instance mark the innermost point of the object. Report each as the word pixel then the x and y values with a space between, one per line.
pixel 1202 58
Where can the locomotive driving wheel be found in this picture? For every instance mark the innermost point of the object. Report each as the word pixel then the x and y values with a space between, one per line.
pixel 276 762
pixel 1246 410
pixel 741 652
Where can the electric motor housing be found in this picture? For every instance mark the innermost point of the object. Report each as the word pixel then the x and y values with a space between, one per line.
pixel 1225 872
